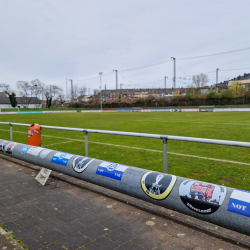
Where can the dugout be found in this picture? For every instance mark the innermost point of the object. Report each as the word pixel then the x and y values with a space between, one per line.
pixel 206 108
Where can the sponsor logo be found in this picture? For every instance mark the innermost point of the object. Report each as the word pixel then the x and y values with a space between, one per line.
pixel 3 144
pixel 61 158
pixel 36 131
pixel 9 148
pixel 34 150
pixel 24 149
pixel 80 163
pixel 239 202
pixel 202 197
pixel 45 152
pixel 111 170
pixel 157 185
pixel 112 166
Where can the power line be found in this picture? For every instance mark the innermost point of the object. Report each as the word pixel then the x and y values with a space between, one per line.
pixel 216 54
pixel 138 83
pixel 233 69
pixel 147 66
pixel 93 77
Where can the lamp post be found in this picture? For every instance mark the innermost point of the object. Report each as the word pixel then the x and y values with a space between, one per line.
pixel 101 88
pixel 116 85
pixel 174 78
pixel 71 90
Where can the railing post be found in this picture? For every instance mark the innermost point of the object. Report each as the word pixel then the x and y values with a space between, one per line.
pixel 41 138
pixel 11 137
pixel 165 156
pixel 86 144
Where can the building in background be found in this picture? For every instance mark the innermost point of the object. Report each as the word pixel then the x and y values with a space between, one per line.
pixel 129 94
pixel 22 102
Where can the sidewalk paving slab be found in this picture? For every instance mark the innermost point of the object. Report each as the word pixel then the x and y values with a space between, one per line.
pixel 72 214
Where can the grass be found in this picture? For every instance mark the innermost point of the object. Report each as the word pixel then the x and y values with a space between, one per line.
pixel 226 126
pixel 14 237
pixel 39 109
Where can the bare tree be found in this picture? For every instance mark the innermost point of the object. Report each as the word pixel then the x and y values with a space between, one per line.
pixel 37 88
pixel 204 79
pixel 82 90
pixel 77 92
pixel 26 89
pixel 200 80
pixel 12 96
pixel 96 95
pixel 5 87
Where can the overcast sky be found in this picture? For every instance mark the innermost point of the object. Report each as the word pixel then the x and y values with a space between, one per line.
pixel 77 39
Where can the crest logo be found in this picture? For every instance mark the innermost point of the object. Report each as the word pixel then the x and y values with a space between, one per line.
pixel 112 166
pixel 157 185
pixel 61 156
pixel 80 163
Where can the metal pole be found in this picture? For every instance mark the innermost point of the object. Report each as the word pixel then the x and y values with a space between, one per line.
pixel 165 156
pixel 41 136
pixel 72 90
pixel 66 90
pixel 116 74
pixel 217 70
pixel 11 137
pixel 101 88
pixel 174 78
pixel 86 144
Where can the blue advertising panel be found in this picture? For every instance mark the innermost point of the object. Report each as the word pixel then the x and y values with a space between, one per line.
pixel 61 158
pixel 111 170
pixel 239 202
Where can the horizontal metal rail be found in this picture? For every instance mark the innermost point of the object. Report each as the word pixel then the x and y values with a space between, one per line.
pixel 154 136
pixel 164 138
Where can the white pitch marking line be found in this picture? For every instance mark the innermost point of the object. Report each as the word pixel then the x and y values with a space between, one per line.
pixel 159 151
pixel 212 123
pixel 152 150
pixel 57 143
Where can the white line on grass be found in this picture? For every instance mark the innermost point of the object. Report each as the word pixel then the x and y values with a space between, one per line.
pixel 152 150
pixel 211 123
pixel 159 151
pixel 58 143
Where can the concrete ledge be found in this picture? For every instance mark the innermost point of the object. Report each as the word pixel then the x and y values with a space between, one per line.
pixel 202 226
pixel 13 242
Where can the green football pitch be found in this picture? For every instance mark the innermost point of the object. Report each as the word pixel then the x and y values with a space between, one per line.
pixel 225 165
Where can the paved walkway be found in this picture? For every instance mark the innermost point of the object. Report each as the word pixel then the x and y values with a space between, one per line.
pixel 69 217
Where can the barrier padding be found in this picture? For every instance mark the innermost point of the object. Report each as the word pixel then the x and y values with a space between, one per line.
pixel 220 205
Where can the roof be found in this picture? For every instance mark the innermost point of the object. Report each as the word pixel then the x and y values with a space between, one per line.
pixel 20 100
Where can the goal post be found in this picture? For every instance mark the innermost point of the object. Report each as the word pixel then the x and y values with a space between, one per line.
pixel 206 108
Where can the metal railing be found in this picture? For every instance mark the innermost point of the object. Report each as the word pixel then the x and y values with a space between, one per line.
pixel 164 138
